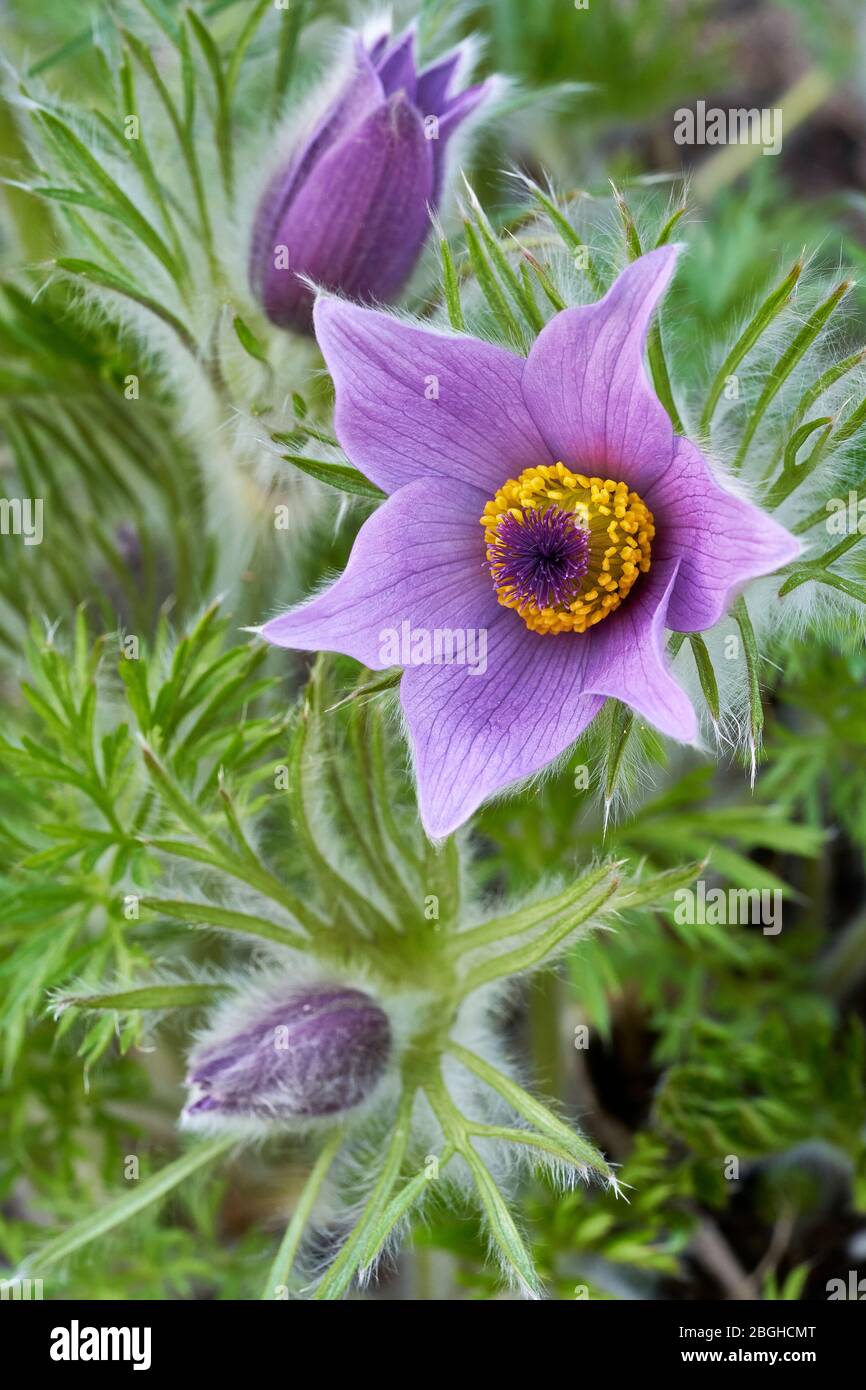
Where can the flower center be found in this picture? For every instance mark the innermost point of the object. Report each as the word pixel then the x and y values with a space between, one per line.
pixel 565 549
pixel 541 555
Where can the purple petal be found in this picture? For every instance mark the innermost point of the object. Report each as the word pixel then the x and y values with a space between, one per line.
pixel 411 402
pixel 627 657
pixel 475 733
pixel 721 541
pixel 397 68
pixel 451 117
pixel 461 106
pixel 362 95
pixel 419 559
pixel 433 84
pixel 316 1052
pixel 586 386
pixel 361 217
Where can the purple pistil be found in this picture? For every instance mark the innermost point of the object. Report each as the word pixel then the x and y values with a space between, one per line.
pixel 540 557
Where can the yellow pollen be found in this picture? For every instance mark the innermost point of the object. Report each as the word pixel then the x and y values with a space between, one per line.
pixel 621 532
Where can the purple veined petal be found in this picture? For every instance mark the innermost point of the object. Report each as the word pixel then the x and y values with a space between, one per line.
pixel 450 118
pixel 627 657
pixel 413 403
pixel 434 82
pixel 362 94
pixel 586 385
pixel 474 734
pixel 396 68
pixel 721 541
pixel 361 217
pixel 316 1052
pixel 340 1060
pixel 418 560
pixel 233 1055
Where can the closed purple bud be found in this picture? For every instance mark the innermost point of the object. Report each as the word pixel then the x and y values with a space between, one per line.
pixel 352 208
pixel 318 1051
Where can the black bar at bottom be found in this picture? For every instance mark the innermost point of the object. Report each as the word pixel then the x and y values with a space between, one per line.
pixel 258 1339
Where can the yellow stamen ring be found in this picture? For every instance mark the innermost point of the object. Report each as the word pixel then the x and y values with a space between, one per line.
pixel 619 526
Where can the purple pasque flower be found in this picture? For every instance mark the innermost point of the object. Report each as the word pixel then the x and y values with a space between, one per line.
pixel 574 430
pixel 311 1052
pixel 352 208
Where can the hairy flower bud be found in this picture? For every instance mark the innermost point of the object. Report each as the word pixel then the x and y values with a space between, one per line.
pixel 352 208
pixel 317 1051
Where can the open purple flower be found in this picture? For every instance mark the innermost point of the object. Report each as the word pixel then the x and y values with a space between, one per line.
pixel 635 535
pixel 311 1053
pixel 352 208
